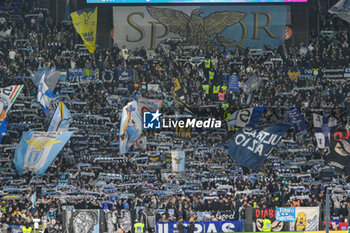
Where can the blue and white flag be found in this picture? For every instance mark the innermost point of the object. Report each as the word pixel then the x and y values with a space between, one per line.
pixel 61 119
pixel 322 127
pixel 37 150
pixel 3 125
pixel 51 77
pixel 38 75
pixel 130 127
pixel 44 96
pixel 251 84
pixel 125 75
pixel 296 118
pixel 253 144
pixel 178 160
pixel 233 85
pixel 247 116
pixel 253 177
pixel 303 51
pixel 342 10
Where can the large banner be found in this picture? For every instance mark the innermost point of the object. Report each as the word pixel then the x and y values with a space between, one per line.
pixel 125 75
pixel 119 219
pixel 229 26
pixel 307 219
pixel 81 75
pixel 37 150
pixel 82 221
pixel 339 156
pixel 285 214
pixel 203 227
pixel 253 144
pixel 260 214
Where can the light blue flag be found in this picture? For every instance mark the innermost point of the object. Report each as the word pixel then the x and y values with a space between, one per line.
pixel 3 128
pixel 50 77
pixel 33 198
pixel 38 75
pixel 44 96
pixel 61 119
pixel 130 127
pixel 37 150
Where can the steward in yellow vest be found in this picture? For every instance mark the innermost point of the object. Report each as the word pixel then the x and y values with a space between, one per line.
pixel 138 226
pixel 266 225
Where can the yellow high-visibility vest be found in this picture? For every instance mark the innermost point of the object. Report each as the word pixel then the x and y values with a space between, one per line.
pixel 266 225
pixel 207 63
pixel 139 227
pixel 211 74
pixel 26 230
pixel 216 89
pixel 224 88
pixel 206 88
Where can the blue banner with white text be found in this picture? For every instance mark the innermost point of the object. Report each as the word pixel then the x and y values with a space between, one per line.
pixel 205 227
pixel 253 144
pixel 233 84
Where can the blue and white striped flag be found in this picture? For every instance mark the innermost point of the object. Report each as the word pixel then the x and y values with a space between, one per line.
pixel 37 150
pixel 61 119
pixel 322 127
pixel 44 96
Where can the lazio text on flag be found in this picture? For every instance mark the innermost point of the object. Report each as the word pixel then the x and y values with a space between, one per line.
pixel 8 96
pixel 61 119
pixel 130 127
pixel 37 150
pixel 44 96
pixel 296 118
pixel 252 145
pixel 247 116
pixel 322 127
pixel 85 23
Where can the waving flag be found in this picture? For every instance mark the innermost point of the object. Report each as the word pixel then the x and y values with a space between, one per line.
pixel 3 124
pixel 61 119
pixel 130 127
pixel 8 96
pixel 247 116
pixel 44 96
pixel 51 77
pixel 296 118
pixel 252 145
pixel 339 155
pixel 251 84
pixel 322 127
pixel 37 150
pixel 85 23
pixel 342 10
pixel 148 105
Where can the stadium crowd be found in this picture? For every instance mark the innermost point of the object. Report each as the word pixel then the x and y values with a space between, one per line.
pixel 90 172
